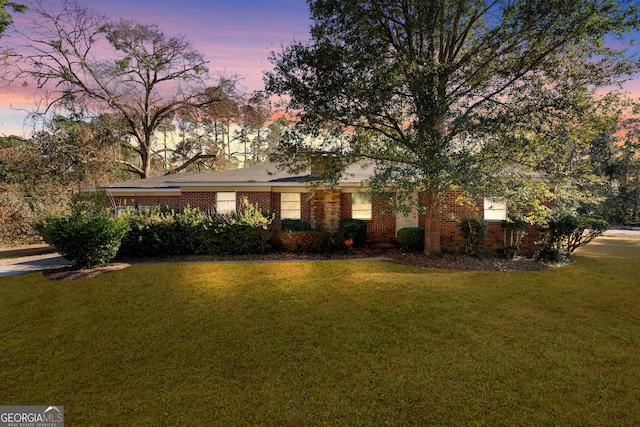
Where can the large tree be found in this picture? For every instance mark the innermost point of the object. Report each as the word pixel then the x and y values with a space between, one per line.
pixel 90 65
pixel 6 19
pixel 466 93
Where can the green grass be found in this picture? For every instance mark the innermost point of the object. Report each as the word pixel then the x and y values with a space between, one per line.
pixel 330 343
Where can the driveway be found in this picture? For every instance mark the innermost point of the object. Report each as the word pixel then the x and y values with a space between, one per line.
pixel 630 233
pixel 11 267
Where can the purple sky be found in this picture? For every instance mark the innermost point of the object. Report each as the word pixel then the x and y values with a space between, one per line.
pixel 236 36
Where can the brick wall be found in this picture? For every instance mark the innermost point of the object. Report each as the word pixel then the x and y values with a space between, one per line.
pixel 452 210
pixel 381 226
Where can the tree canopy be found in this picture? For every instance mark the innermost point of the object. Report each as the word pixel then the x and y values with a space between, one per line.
pixel 469 93
pixel 89 65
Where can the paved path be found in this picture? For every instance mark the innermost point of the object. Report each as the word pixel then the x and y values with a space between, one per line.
pixel 30 264
pixel 634 234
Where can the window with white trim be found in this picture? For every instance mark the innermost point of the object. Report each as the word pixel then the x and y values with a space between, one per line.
pixel 226 203
pixel 495 210
pixel 120 209
pixel 361 206
pixel 290 206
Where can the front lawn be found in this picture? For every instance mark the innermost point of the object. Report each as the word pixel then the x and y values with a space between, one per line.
pixel 330 343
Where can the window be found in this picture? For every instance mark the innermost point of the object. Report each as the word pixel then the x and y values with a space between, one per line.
pixel 495 210
pixel 290 206
pixel 122 209
pixel 226 203
pixel 360 206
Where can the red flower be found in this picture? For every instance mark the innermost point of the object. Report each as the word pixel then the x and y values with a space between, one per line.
pixel 348 242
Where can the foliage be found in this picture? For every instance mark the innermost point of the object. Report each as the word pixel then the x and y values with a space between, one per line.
pixel 89 235
pixel 295 225
pixel 586 230
pixel 133 71
pixel 19 212
pixel 81 152
pixel 355 229
pixel 411 239
pixel 474 231
pixel 317 242
pixel 455 93
pixel 164 232
pixel 515 230
pixel 566 232
pixel 29 190
pixel 5 17
pixel 621 165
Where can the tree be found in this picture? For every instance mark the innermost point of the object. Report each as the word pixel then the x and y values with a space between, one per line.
pixel 76 151
pixel 625 172
pixel 5 17
pixel 456 93
pixel 144 76
pixel 219 115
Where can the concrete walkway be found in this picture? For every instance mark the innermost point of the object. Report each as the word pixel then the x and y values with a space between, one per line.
pixel 31 264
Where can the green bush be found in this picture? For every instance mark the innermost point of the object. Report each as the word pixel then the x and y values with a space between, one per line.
pixel 516 229
pixel 158 232
pixel 306 241
pixel 564 233
pixel 474 231
pixel 89 235
pixel 295 225
pixel 161 232
pixel 355 229
pixel 411 239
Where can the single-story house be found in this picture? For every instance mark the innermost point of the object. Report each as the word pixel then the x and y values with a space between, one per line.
pixel 291 196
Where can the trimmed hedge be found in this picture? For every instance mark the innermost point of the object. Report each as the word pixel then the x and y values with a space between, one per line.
pixel 295 225
pixel 355 229
pixel 316 242
pixel 411 239
pixel 161 232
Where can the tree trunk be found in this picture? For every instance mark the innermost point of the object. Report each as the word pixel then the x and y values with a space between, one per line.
pixel 432 224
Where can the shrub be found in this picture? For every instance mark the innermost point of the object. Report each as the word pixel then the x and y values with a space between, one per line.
pixel 89 235
pixel 516 230
pixel 474 231
pixel 306 241
pixel 355 229
pixel 161 232
pixel 411 239
pixel 564 233
pixel 588 229
pixel 295 225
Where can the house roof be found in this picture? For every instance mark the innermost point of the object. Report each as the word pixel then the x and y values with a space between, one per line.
pixel 266 175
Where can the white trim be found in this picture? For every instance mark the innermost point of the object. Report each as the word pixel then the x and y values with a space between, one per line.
pixel 494 210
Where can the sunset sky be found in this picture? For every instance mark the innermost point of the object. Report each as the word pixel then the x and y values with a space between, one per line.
pixel 236 36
